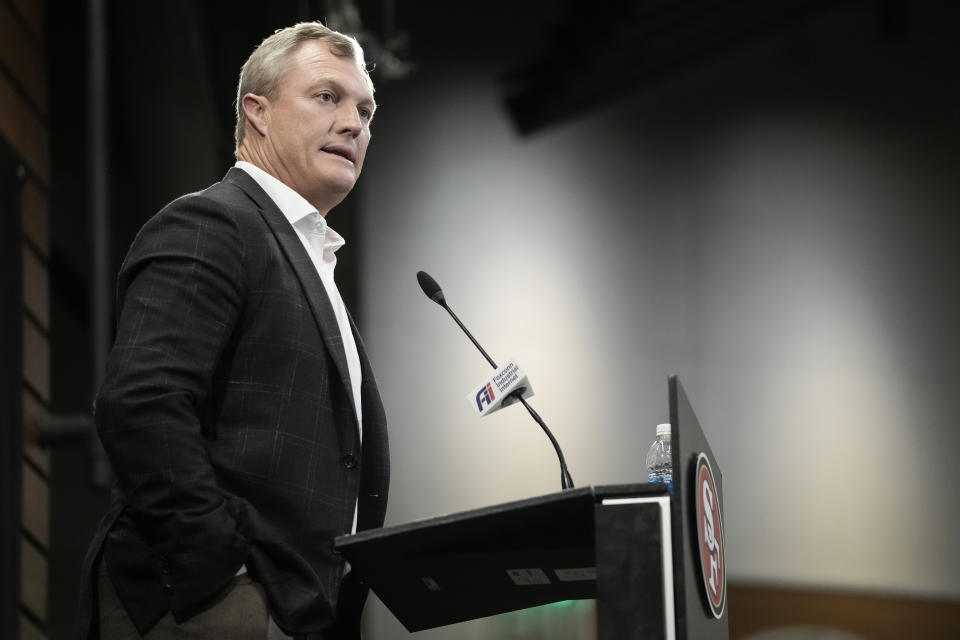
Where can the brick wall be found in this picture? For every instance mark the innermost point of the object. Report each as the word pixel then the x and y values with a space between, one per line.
pixel 24 128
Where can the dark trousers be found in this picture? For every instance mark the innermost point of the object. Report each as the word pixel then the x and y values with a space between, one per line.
pixel 239 613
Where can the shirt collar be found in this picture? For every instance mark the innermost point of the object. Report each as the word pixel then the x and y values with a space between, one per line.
pixel 301 214
pixel 292 204
pixel 295 208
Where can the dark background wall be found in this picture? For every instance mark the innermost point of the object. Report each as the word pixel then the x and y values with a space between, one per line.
pixel 11 410
pixel 24 306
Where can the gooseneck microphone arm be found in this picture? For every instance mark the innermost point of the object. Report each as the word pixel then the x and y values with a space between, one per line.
pixel 467 331
pixel 433 291
pixel 566 482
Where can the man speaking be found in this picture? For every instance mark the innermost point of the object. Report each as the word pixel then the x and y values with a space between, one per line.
pixel 239 409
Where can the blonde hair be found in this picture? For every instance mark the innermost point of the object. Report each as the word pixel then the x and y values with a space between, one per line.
pixel 262 71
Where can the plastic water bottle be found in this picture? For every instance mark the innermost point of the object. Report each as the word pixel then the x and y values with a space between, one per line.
pixel 660 458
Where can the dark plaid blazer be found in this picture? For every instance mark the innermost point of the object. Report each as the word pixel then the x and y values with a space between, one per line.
pixel 227 416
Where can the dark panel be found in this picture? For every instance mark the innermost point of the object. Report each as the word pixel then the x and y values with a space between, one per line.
pixel 629 569
pixel 11 411
pixel 635 45
pixel 694 619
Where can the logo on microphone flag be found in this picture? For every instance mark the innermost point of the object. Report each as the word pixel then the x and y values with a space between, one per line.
pixel 485 396
pixel 500 390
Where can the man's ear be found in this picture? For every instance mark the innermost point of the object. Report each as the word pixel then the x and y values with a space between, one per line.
pixel 255 108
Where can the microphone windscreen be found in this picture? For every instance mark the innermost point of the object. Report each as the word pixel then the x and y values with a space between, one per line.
pixel 430 287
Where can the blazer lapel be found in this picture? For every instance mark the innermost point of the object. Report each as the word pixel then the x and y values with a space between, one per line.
pixel 313 289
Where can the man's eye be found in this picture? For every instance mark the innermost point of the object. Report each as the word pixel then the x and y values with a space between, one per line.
pixel 325 97
pixel 366 114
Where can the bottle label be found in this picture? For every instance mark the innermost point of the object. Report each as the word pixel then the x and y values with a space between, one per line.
pixel 668 480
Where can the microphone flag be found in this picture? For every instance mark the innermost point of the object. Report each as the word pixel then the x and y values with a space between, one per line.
pixel 495 391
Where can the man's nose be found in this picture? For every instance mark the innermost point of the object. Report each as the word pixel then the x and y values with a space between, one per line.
pixel 349 120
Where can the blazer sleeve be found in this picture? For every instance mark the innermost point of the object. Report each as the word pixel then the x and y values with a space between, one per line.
pixel 180 293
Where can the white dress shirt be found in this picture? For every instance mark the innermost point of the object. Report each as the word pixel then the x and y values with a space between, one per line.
pixel 321 243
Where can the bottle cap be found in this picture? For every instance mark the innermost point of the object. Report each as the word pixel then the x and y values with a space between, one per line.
pixel 663 429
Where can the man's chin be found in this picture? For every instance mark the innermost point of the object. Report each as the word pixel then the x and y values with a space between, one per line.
pixel 340 181
pixel 329 191
pixel 341 188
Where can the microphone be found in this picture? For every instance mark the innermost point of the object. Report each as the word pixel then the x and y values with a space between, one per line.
pixel 431 288
pixel 433 291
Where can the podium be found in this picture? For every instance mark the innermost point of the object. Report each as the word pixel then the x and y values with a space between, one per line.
pixel 652 559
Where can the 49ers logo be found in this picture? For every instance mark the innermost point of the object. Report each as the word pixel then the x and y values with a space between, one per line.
pixel 710 537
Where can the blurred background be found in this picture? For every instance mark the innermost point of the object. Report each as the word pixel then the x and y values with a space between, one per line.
pixel 759 197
